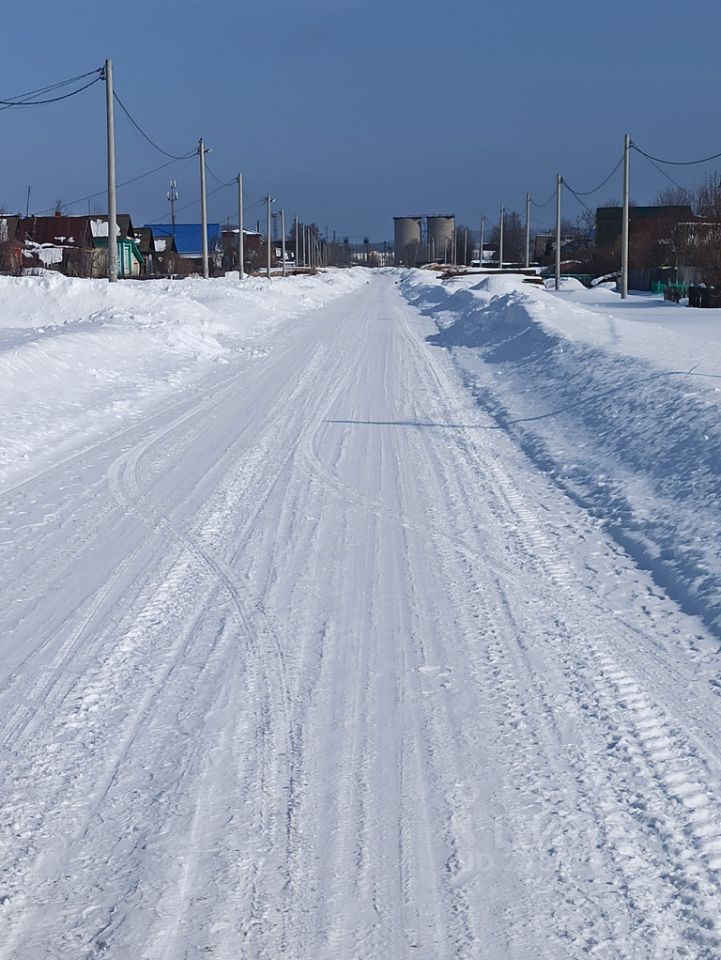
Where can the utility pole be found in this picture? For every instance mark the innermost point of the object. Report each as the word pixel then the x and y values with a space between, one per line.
pixel 172 195
pixel 305 264
pixel 297 240
pixel 480 239
pixel 282 238
pixel 241 238
pixel 203 210
pixel 112 198
pixel 269 201
pixel 559 183
pixel 501 225
pixel 626 213
pixel 527 261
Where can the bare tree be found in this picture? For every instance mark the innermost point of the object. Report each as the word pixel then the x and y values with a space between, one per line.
pixel 584 226
pixel 514 237
pixel 674 197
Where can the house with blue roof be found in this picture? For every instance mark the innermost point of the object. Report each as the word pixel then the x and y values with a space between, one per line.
pixel 188 239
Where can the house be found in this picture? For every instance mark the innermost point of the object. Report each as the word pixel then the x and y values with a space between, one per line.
pixel 130 259
pixel 188 238
pixel 653 222
pixel 657 246
pixel 544 245
pixel 159 255
pixel 11 248
pixel 77 246
pixel 252 243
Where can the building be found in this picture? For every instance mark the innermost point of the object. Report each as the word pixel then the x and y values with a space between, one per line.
pixel 421 239
pixel 252 243
pixel 160 256
pixel 188 238
pixel 11 248
pixel 78 246
pixel 655 222
pixel 407 240
pixel 544 245
pixel 441 232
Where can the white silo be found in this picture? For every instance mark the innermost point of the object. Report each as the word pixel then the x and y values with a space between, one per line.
pixel 407 233
pixel 440 236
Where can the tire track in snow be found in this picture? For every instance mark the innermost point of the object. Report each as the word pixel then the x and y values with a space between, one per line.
pixel 537 544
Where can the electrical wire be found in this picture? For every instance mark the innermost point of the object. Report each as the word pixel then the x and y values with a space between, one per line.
pixel 193 203
pixel 29 99
pixel 52 86
pixel 540 205
pixel 145 136
pixel 587 193
pixel 125 183
pixel 675 163
pixel 578 197
pixel 663 172
pixel 224 183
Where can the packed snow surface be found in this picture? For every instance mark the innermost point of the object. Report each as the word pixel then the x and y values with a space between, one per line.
pixel 358 617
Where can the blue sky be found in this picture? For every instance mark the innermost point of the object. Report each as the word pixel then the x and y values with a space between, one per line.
pixel 352 112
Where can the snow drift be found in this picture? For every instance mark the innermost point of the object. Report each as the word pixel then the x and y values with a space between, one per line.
pixel 618 403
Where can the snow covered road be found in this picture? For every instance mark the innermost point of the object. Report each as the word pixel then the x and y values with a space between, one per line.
pixel 311 661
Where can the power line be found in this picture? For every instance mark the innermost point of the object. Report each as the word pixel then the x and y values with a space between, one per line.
pixel 145 136
pixel 223 183
pixel 675 163
pixel 663 172
pixel 125 183
pixel 540 205
pixel 587 193
pixel 578 197
pixel 30 99
pixel 195 202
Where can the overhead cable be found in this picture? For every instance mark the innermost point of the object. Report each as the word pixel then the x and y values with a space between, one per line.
pixel 31 99
pixel 223 183
pixel 578 197
pixel 145 136
pixel 663 172
pixel 540 205
pixel 675 163
pixel 125 183
pixel 587 193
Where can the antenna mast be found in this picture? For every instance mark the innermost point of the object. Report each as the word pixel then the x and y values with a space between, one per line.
pixel 172 195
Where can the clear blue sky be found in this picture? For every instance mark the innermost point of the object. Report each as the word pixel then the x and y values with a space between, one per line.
pixel 351 112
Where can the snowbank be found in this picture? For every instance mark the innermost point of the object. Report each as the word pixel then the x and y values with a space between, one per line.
pixel 617 401
pixel 81 357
